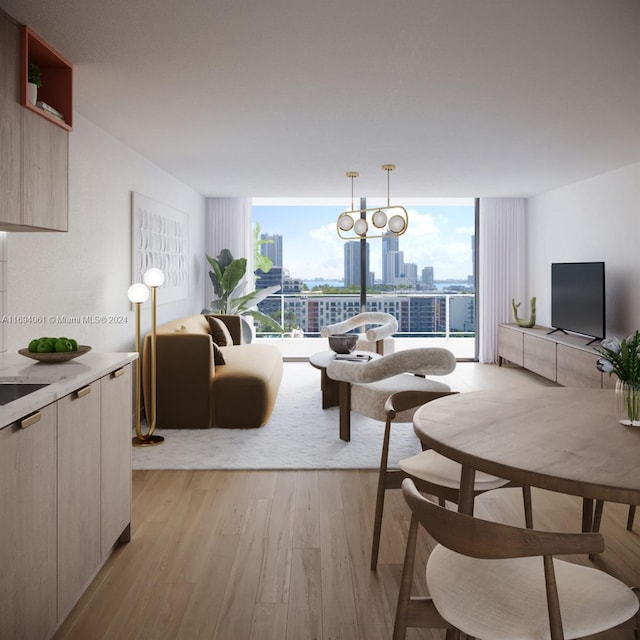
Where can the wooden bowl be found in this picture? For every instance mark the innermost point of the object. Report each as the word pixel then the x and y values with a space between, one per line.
pixel 55 358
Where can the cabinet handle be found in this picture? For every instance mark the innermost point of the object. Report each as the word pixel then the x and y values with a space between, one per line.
pixel 118 373
pixel 85 391
pixel 31 420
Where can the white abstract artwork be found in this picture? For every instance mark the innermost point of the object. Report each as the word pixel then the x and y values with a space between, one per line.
pixel 160 238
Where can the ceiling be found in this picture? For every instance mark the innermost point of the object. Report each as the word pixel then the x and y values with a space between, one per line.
pixel 282 97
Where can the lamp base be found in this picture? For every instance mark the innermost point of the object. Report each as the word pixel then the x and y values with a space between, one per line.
pixel 150 441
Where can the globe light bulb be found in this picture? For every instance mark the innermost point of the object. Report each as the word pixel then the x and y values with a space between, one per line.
pixel 397 224
pixel 138 292
pixel 361 227
pixel 153 277
pixel 345 222
pixel 379 219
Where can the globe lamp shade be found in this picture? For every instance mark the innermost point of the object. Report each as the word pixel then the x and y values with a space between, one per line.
pixel 153 277
pixel 345 222
pixel 138 293
pixel 397 224
pixel 379 219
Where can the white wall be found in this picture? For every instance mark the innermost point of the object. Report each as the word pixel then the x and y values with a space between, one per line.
pixel 87 271
pixel 593 220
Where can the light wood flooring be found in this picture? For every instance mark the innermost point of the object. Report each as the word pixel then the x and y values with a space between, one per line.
pixel 284 555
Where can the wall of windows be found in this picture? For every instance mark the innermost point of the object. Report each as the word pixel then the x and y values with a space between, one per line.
pixel 425 278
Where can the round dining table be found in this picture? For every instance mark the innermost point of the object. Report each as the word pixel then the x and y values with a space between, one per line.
pixel 557 438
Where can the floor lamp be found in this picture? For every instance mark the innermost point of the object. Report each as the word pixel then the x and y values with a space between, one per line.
pixel 138 293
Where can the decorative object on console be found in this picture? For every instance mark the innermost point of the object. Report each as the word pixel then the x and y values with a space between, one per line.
pixel 55 357
pixel 343 342
pixel 523 322
pixel 354 225
pixel 622 358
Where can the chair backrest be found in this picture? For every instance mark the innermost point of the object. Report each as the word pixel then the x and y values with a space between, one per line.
pixel 387 325
pixel 478 538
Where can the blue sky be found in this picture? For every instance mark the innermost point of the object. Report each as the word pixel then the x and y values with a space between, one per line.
pixel 439 235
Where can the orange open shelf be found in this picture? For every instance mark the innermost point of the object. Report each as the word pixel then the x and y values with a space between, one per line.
pixel 57 78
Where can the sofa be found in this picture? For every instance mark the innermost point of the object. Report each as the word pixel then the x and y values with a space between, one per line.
pixel 192 391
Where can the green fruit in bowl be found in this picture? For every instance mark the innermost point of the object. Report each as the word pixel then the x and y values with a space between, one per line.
pixel 45 346
pixel 62 346
pixel 33 346
pixel 74 344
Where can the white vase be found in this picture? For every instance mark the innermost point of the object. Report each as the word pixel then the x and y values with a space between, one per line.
pixel 32 93
pixel 628 404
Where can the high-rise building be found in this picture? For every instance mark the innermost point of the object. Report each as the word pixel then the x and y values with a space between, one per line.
pixel 410 273
pixel 427 278
pixel 352 263
pixel 272 250
pixel 395 267
pixel 390 242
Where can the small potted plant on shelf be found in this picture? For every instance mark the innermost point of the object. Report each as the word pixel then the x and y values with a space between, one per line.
pixel 34 82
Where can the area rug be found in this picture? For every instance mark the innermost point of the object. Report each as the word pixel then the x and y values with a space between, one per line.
pixel 299 435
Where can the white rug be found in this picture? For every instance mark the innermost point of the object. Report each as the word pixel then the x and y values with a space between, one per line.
pixel 299 435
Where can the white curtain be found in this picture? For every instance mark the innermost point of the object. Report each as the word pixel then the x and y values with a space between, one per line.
pixel 501 268
pixel 228 226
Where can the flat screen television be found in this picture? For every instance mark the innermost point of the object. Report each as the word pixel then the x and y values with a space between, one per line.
pixel 578 298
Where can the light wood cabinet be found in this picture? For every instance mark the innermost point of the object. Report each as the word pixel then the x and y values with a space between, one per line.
pixel 577 368
pixel 10 123
pixel 79 520
pixel 511 345
pixel 116 459
pixel 34 149
pixel 28 530
pixel 539 356
pixel 563 358
pixel 45 174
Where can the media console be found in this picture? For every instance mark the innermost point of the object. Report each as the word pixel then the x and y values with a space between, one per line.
pixel 562 358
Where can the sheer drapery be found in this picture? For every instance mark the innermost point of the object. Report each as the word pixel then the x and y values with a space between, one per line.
pixel 228 226
pixel 501 268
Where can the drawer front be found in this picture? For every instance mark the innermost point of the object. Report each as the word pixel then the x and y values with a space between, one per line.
pixel 511 345
pixel 540 356
pixel 576 368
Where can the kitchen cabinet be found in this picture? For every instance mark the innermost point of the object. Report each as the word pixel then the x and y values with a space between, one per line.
pixel 65 495
pixel 28 532
pixel 34 146
pixel 116 458
pixel 79 519
pixel 10 124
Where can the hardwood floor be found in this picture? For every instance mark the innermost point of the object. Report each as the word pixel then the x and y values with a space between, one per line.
pixel 284 555
pixel 260 555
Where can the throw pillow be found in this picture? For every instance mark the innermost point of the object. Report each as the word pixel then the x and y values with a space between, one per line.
pixel 219 332
pixel 218 358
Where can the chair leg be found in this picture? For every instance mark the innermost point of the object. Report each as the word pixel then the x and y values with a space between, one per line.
pixel 631 516
pixel 597 516
pixel 404 594
pixel 528 509
pixel 382 485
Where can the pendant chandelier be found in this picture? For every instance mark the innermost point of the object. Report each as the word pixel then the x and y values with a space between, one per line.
pixel 372 223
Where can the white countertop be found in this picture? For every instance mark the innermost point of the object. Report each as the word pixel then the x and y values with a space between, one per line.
pixel 63 378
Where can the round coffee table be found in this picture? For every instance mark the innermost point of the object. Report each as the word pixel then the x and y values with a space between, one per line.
pixel 329 387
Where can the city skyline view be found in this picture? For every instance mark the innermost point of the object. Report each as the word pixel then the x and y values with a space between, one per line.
pixel 439 236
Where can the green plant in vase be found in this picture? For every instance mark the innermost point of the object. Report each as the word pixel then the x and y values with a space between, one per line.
pixel 622 357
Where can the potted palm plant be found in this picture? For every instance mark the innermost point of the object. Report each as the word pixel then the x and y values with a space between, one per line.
pixel 227 276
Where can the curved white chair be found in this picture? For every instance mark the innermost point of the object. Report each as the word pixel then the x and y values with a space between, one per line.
pixel 387 325
pixel 491 580
pixel 365 386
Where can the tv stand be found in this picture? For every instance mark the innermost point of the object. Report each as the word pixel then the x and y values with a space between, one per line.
pixel 562 358
pixel 554 330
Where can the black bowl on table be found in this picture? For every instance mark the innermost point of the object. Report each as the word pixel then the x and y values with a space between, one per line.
pixel 343 342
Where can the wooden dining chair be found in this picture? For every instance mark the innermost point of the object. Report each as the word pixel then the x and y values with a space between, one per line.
pixel 434 474
pixel 491 580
